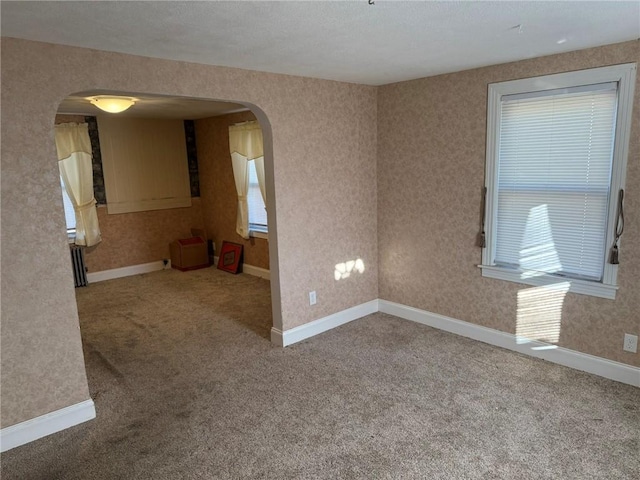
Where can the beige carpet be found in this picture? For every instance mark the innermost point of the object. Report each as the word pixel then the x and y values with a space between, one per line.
pixel 187 386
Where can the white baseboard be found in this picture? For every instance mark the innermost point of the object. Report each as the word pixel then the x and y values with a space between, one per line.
pixel 251 270
pixel 562 356
pixel 127 271
pixel 311 329
pixel 256 271
pixel 38 427
pixel 617 371
pixel 103 275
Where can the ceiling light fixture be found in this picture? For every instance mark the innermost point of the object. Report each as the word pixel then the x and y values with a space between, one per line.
pixel 112 104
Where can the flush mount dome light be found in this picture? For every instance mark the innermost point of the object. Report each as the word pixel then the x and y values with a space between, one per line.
pixel 112 104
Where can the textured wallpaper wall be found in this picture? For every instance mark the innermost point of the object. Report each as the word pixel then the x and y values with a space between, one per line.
pixel 141 237
pixel 218 189
pixel 322 136
pixel 418 203
pixel 431 159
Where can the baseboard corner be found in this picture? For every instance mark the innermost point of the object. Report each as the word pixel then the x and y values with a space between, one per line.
pixel 47 424
pixel 316 327
pixel 276 337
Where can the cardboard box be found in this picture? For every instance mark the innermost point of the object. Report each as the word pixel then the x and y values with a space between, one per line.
pixel 189 253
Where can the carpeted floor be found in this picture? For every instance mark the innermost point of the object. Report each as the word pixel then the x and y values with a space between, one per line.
pixel 187 386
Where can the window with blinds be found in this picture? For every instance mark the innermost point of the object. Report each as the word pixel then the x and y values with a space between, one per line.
pixel 554 174
pixel 556 159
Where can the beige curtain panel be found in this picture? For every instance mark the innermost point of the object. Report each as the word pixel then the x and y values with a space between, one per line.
pixel 246 139
pixel 245 144
pixel 241 176
pixel 74 155
pixel 72 138
pixel 260 174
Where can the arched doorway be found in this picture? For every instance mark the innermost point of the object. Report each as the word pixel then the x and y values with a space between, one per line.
pixel 206 115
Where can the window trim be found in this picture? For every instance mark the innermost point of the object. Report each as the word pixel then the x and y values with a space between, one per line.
pixel 258 231
pixel 624 75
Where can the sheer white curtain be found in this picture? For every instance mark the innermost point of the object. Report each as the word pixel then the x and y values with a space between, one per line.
pixel 241 176
pixel 245 144
pixel 74 155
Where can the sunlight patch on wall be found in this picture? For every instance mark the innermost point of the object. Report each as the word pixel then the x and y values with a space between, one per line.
pixel 344 270
pixel 539 314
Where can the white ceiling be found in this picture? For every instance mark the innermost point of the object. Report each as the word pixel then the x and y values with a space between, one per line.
pixel 349 41
pixel 353 41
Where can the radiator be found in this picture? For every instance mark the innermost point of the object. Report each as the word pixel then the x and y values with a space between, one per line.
pixel 77 264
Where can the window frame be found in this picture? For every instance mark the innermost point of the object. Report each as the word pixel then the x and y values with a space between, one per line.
pixel 624 75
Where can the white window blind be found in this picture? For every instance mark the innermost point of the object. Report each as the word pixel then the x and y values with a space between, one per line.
pixel 554 176
pixel 257 210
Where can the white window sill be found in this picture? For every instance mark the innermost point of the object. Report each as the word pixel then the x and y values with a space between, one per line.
pixel 583 287
pixel 259 234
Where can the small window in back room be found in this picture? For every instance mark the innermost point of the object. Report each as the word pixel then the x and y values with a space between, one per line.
pixel 247 161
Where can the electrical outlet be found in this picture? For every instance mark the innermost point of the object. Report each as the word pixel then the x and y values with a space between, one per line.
pixel 312 298
pixel 630 343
